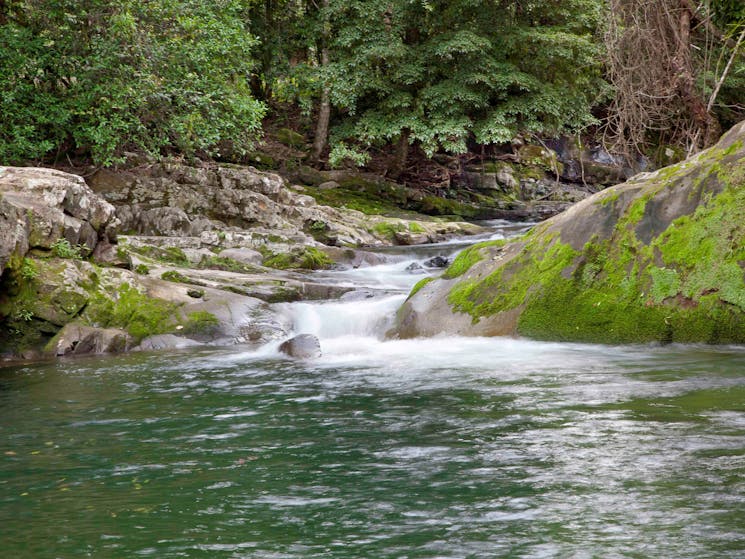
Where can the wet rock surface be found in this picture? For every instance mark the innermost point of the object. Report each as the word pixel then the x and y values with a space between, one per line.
pixel 303 346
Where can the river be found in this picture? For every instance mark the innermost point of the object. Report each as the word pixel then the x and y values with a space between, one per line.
pixel 431 448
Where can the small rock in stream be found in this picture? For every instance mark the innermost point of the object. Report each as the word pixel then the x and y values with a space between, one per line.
pixel 414 267
pixel 303 346
pixel 437 262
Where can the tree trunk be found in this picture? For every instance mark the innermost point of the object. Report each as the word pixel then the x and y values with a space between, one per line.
pixel 707 125
pixel 324 111
pixel 324 115
pixel 402 154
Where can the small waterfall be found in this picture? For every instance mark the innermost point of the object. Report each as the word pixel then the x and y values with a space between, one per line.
pixel 365 318
pixel 383 288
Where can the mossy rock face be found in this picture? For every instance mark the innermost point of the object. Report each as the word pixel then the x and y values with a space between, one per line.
pixel 306 258
pixel 660 258
pixel 290 138
pixel 532 156
pixel 38 296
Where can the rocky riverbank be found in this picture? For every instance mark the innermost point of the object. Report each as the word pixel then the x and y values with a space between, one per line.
pixel 660 258
pixel 206 251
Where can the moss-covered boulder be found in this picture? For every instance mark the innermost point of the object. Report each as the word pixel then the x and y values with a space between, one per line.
pixel 658 258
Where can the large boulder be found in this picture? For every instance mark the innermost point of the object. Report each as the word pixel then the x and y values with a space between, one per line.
pixel 658 258
pixel 38 207
pixel 78 339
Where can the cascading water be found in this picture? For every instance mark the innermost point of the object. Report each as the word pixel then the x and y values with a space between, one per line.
pixel 369 311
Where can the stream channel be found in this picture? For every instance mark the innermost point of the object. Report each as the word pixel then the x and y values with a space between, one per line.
pixel 428 448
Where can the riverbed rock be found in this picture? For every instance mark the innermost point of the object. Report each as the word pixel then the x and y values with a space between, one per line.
pixel 660 258
pixel 165 341
pixel 174 199
pixel 78 339
pixel 304 346
pixel 437 262
pixel 243 255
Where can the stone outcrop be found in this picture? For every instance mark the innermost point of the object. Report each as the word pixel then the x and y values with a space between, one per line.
pixel 658 258
pixel 38 207
pixel 172 199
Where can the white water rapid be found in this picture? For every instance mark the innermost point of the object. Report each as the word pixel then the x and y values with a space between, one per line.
pixel 357 322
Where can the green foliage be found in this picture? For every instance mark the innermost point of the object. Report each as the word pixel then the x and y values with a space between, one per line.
pixel 343 154
pixel 141 269
pixel 439 72
pixel 28 270
pixel 100 77
pixel 63 249
pixel 201 323
pixel 135 312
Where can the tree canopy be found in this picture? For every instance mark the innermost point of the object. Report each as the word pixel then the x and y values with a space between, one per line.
pixel 98 78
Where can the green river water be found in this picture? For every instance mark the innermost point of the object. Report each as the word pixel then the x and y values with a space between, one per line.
pixel 420 449
pixel 432 448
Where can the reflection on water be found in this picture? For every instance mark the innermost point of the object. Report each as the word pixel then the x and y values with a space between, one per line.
pixel 421 448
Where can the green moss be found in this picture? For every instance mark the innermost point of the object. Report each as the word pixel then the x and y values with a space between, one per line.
pixel 541 263
pixel 467 258
pixel 169 255
pixel 419 285
pixel 201 323
pixel 665 283
pixel 174 276
pixel 686 285
pixel 365 202
pixel 387 229
pixel 141 269
pixel 227 264
pixel 307 258
pixel 290 138
pixel 283 295
pixel 414 227
pixel 135 312
pixel 18 297
pixel 609 198
pixel 435 205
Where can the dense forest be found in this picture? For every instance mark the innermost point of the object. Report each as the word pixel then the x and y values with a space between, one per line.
pixel 94 79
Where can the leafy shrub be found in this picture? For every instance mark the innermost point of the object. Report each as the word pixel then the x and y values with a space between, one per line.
pixel 63 249
pixel 28 270
pixel 107 76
